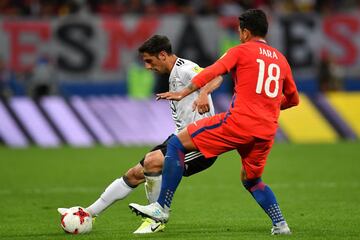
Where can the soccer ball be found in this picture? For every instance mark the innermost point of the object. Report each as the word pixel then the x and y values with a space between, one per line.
pixel 75 220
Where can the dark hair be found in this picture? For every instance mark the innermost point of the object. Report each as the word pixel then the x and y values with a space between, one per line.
pixel 155 45
pixel 255 21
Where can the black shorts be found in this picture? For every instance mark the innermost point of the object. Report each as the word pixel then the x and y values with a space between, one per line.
pixel 194 161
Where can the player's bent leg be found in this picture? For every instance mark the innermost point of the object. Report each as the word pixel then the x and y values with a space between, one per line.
pixel 153 164
pixel 172 174
pixel 265 197
pixel 174 166
pixel 135 176
pixel 117 190
pixel 254 155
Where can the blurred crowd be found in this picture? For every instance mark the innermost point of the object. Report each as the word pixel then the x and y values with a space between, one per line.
pixel 40 82
pixel 50 8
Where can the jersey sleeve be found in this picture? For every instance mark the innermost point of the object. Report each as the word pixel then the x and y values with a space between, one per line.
pixel 290 96
pixel 220 67
pixel 230 58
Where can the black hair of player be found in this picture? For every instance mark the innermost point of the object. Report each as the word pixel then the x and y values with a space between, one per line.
pixel 155 45
pixel 255 21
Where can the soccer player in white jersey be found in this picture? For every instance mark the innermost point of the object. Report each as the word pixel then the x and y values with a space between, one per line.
pixel 157 55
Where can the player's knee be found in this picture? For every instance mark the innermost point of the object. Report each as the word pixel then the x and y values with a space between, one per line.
pixel 153 162
pixel 250 183
pixel 251 174
pixel 134 176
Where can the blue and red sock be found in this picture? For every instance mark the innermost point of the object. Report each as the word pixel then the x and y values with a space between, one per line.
pixel 172 171
pixel 265 197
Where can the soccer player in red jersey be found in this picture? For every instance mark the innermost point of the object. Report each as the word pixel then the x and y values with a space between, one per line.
pixel 263 86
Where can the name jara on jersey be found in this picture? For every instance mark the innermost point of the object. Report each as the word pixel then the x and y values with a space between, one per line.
pixel 268 53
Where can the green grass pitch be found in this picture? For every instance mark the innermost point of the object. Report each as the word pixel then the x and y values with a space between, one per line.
pixel 317 186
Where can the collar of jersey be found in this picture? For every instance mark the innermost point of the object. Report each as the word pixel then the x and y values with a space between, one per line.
pixel 260 41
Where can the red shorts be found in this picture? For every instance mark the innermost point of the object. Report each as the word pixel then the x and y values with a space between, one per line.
pixel 215 135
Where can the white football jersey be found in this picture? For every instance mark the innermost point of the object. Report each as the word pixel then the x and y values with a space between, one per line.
pixel 180 76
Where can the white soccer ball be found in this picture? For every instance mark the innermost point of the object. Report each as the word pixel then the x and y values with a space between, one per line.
pixel 75 220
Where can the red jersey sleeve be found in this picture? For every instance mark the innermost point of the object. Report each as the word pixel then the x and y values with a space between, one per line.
pixel 230 58
pixel 291 95
pixel 220 67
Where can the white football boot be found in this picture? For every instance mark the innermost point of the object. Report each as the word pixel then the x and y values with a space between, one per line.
pixel 150 226
pixel 280 228
pixel 153 211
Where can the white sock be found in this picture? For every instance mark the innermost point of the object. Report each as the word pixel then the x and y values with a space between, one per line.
pixel 117 190
pixel 152 187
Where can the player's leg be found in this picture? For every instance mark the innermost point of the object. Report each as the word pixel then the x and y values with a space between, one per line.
pixel 123 186
pixel 153 164
pixel 173 168
pixel 194 162
pixel 254 157
pixel 210 131
pixel 118 189
pixel 171 176
pixel 182 143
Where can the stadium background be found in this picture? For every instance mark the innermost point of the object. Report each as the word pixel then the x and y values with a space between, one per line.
pixel 77 109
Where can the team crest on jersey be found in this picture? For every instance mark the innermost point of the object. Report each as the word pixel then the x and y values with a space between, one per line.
pixel 197 69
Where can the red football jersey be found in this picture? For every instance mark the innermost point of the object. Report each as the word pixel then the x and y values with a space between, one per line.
pixel 263 85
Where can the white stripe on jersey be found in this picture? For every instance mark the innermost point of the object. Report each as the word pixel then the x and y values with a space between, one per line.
pixel 192 156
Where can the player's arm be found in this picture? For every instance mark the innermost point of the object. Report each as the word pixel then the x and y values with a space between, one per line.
pixel 220 67
pixel 177 96
pixel 202 101
pixel 290 96
pixel 190 88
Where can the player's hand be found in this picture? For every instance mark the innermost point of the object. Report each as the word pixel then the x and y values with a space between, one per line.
pixel 169 96
pixel 201 104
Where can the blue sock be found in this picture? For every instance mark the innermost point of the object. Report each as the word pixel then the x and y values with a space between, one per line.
pixel 172 171
pixel 265 198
